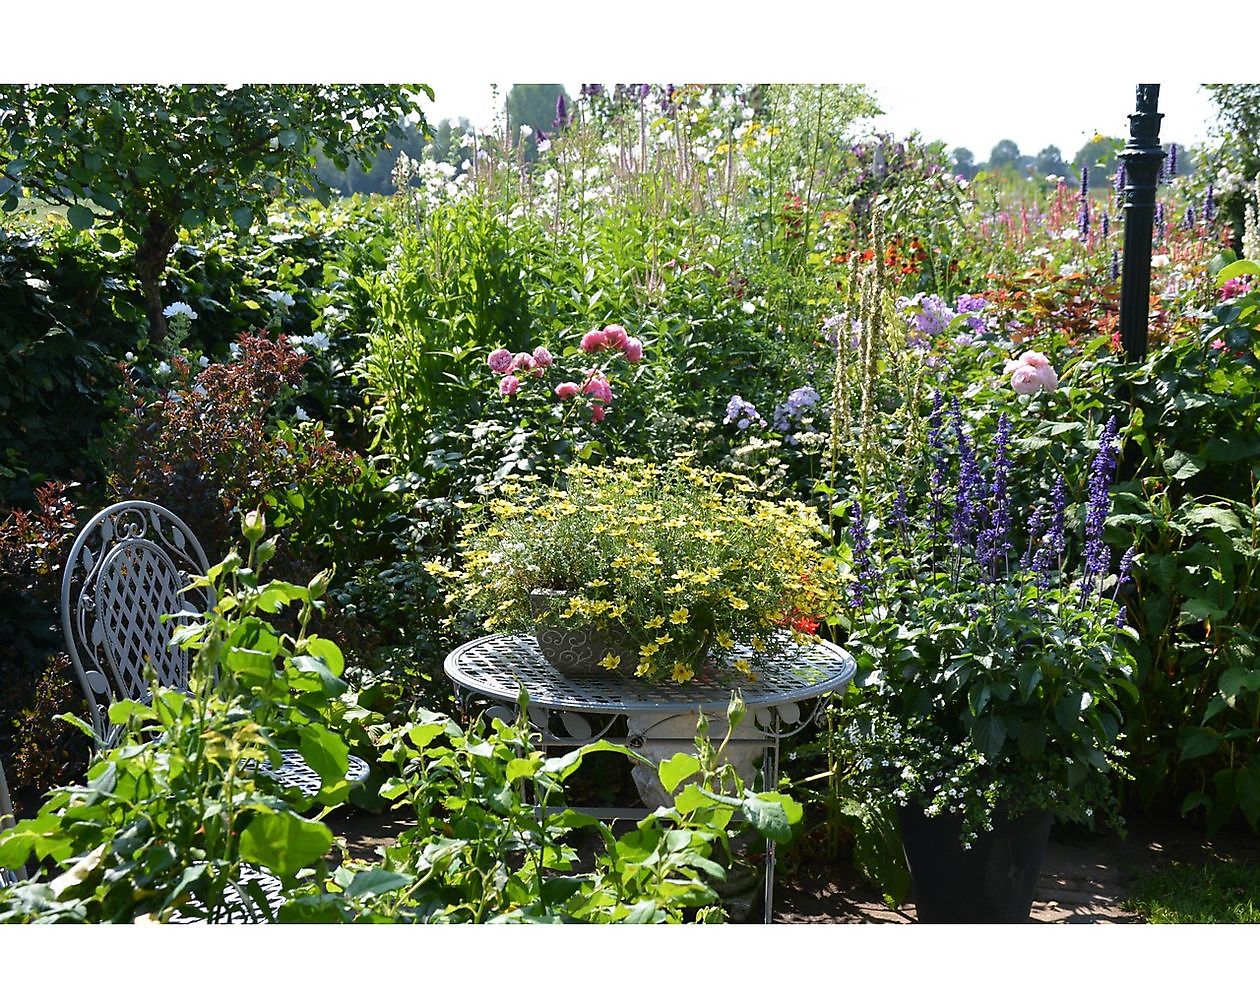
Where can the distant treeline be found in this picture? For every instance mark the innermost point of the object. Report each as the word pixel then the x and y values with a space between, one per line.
pixel 535 105
pixel 1098 155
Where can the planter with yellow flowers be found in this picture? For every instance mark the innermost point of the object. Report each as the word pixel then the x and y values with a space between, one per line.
pixel 659 571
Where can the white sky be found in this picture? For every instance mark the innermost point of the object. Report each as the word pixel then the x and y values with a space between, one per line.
pixel 973 115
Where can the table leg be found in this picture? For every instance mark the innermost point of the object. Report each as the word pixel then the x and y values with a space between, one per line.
pixel 770 775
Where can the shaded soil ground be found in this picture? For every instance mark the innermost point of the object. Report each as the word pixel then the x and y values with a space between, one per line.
pixel 1084 879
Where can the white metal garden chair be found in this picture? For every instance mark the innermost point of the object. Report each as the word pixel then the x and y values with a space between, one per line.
pixel 128 567
pixel 7 875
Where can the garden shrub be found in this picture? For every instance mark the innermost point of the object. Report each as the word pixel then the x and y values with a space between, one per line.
pixel 36 680
pixel 1194 508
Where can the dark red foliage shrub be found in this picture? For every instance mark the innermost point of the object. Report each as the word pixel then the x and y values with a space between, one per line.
pixel 36 682
pixel 209 446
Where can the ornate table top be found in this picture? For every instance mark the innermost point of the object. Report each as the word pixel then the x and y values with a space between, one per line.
pixel 500 665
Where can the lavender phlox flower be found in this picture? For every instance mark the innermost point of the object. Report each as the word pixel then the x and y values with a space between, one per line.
pixel 792 411
pixel 742 413
pixel 644 91
pixel 834 325
pixel 971 305
pixel 933 315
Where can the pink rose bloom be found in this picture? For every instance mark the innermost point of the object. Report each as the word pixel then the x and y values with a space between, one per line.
pixel 615 337
pixel 1025 380
pixel 1034 366
pixel 597 386
pixel 633 350
pixel 597 412
pixel 567 389
pixel 523 362
pixel 509 385
pixel 500 360
pixel 593 341
pixel 542 357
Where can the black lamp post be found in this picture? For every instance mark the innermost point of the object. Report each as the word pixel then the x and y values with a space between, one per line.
pixel 1141 157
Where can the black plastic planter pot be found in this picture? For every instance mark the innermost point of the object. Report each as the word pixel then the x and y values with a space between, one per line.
pixel 991 883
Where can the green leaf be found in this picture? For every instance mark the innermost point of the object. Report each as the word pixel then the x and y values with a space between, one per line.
pixel 325 751
pixel 1239 267
pixel 287 137
pixel 989 733
pixel 284 841
pixel 771 814
pixel 109 242
pixel 1181 466
pixel 1197 742
pixel 323 648
pixel 375 881
pixel 243 217
pixel 80 217
pixel 519 768
pixel 677 769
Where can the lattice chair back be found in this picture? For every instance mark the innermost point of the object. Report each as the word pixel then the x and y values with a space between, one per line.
pixel 127 568
pixel 7 875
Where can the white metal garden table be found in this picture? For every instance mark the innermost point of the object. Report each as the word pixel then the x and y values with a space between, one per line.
pixel 784 697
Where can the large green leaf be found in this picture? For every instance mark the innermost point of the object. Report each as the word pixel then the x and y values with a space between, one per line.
pixel 284 841
pixel 80 217
pixel 772 814
pixel 676 769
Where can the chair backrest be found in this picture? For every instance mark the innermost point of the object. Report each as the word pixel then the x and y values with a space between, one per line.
pixel 7 875
pixel 128 567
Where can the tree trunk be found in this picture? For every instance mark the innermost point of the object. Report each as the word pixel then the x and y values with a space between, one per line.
pixel 155 245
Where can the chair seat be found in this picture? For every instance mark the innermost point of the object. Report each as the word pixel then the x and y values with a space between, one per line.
pixel 239 905
pixel 296 772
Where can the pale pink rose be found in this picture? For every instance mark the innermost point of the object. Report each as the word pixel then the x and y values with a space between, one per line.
pixel 615 337
pixel 567 389
pixel 523 362
pixel 593 341
pixel 509 385
pixel 597 412
pixel 1045 374
pixel 1034 359
pixel 542 357
pixel 633 350
pixel 1025 380
pixel 500 361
